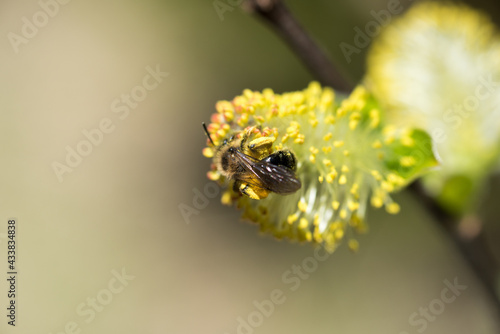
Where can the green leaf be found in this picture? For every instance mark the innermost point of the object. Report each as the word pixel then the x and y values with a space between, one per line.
pixel 411 155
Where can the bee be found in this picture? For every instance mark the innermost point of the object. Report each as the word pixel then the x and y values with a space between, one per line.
pixel 255 170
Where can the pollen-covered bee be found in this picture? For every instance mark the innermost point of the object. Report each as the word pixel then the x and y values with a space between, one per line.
pixel 255 170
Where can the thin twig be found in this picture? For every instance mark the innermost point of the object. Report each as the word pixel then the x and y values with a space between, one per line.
pixel 276 14
pixel 473 248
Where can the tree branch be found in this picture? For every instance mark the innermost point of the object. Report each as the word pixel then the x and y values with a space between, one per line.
pixel 468 237
pixel 472 247
pixel 277 15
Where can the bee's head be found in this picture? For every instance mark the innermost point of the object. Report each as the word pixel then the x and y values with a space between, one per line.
pixel 226 158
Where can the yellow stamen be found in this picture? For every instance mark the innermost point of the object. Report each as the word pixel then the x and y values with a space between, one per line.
pixel 377 144
pixel 338 143
pixel 353 245
pixel 292 218
pixel 392 208
pixel 208 152
pixel 302 205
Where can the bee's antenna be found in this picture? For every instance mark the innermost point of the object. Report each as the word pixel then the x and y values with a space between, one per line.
pixel 208 134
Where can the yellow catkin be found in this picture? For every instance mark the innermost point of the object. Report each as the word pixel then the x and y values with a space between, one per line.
pixel 345 160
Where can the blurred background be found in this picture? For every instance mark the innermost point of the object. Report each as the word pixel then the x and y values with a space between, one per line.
pixel 115 212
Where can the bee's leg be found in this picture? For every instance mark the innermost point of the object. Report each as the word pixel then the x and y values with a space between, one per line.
pixel 244 138
pixel 260 147
pixel 236 187
pixel 253 193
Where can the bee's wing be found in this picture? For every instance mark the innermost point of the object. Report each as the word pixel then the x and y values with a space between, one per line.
pixel 278 179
